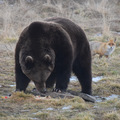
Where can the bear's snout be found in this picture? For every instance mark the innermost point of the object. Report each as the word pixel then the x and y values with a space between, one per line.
pixel 41 86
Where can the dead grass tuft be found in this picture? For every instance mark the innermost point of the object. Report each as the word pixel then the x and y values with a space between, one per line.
pixel 106 88
pixel 84 116
pixel 111 116
pixel 21 97
pixel 117 104
pixel 80 106
pixel 10 40
pixel 42 115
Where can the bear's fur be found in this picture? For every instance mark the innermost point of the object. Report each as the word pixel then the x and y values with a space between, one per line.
pixel 47 52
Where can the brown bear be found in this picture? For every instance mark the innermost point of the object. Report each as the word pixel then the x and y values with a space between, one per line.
pixel 48 51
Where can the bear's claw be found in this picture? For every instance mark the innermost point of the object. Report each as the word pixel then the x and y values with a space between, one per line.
pixel 58 90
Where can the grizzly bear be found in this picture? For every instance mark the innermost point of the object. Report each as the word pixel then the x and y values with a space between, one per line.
pixel 48 51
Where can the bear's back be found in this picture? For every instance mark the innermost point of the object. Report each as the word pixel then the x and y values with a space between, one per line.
pixel 73 29
pixel 75 32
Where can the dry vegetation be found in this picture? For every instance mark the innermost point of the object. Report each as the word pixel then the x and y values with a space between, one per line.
pixel 100 19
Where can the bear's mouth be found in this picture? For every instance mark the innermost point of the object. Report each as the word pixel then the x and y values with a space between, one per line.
pixel 41 87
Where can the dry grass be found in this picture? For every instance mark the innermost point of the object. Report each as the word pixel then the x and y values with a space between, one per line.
pixel 84 116
pixel 111 116
pixel 20 97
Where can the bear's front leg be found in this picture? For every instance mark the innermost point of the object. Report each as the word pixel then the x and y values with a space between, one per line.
pixel 63 73
pixel 22 80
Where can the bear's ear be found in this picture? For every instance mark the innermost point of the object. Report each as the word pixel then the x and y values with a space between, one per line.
pixel 29 62
pixel 47 58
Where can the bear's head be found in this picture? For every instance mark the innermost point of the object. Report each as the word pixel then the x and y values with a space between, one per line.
pixel 36 57
pixel 38 70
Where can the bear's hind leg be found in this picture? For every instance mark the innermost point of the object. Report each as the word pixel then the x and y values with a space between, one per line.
pixel 82 69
